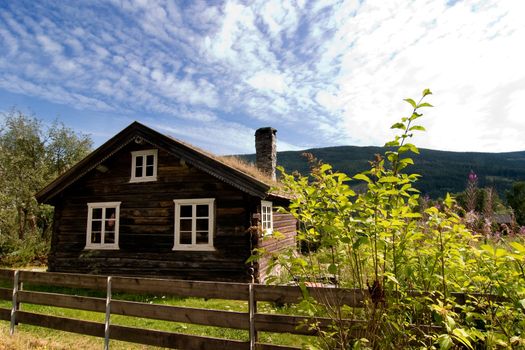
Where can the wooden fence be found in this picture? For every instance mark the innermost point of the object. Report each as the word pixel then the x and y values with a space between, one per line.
pixel 251 321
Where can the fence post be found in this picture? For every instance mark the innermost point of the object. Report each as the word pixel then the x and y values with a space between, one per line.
pixel 108 314
pixel 252 309
pixel 15 307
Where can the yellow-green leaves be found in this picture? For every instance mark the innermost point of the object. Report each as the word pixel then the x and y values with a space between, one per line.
pixel 324 168
pixel 445 342
pixel 389 179
pixel 449 201
pixel 494 252
pixel 393 143
pixel 420 104
pixel 408 147
pixel 398 126
pixel 520 248
pixel 463 337
pixel 417 127
pixel 362 177
pixel 411 102
pixel 406 161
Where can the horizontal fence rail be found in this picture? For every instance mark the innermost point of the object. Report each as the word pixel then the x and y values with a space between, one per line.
pixel 251 321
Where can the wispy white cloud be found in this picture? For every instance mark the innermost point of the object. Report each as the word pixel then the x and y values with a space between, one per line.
pixel 462 52
pixel 268 81
pixel 323 73
pixel 49 45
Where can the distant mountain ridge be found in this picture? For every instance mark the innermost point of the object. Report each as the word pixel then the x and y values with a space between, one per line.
pixel 442 171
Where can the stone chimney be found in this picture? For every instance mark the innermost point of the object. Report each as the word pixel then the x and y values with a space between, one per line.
pixel 266 151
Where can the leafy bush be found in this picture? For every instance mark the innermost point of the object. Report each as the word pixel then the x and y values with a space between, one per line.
pixel 32 250
pixel 380 242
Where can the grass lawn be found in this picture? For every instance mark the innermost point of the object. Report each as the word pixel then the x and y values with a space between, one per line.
pixel 38 338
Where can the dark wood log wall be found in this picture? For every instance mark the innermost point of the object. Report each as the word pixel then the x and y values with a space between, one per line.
pixel 147 223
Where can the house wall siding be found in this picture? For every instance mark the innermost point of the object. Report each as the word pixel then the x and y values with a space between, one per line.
pixel 286 225
pixel 147 223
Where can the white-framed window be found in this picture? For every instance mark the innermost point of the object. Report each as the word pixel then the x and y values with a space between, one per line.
pixel 266 217
pixel 194 224
pixel 144 165
pixel 103 225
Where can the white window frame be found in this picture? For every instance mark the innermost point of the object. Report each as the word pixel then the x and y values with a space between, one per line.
pixel 267 217
pixel 103 206
pixel 211 224
pixel 144 154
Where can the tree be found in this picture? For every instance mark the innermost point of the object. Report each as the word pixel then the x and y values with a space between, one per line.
pixel 22 155
pixel 31 155
pixel 516 199
pixel 64 148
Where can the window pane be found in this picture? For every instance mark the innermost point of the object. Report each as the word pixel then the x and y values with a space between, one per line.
pixel 110 213
pixel 149 170
pixel 185 237
pixel 185 225
pixel 109 237
pixel 109 225
pixel 202 237
pixel 95 237
pixel 185 211
pixel 202 224
pixel 97 213
pixel 138 171
pixel 139 161
pixel 96 227
pixel 202 210
pixel 266 217
pixel 149 160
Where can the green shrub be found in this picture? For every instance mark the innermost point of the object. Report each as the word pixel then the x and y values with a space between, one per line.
pixel 381 242
pixel 32 250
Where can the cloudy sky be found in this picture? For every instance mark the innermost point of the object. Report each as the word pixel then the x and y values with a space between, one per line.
pixel 323 73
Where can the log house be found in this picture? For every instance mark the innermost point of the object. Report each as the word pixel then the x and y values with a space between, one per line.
pixel 145 204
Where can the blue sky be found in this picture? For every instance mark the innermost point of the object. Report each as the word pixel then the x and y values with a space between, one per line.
pixel 323 73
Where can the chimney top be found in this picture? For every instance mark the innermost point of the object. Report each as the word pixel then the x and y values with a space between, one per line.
pixel 265 130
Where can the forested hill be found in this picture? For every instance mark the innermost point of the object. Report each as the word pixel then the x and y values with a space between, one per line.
pixel 441 171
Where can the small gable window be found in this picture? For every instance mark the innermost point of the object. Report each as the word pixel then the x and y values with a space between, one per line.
pixel 144 165
pixel 194 224
pixel 266 217
pixel 103 225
